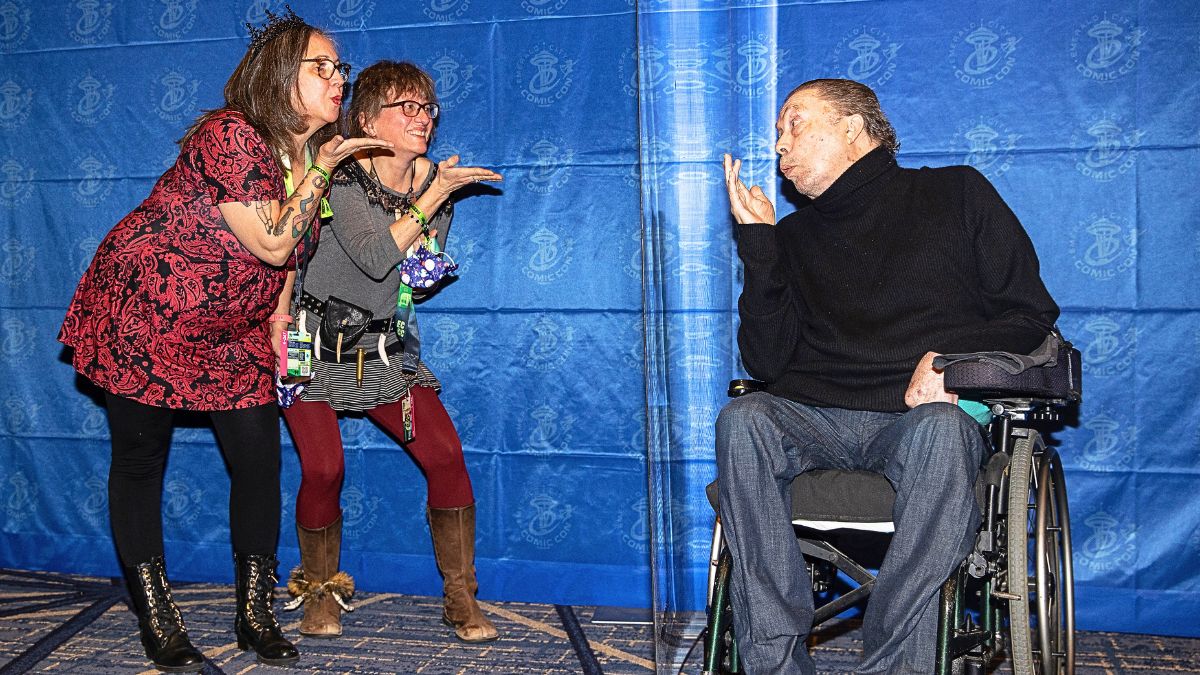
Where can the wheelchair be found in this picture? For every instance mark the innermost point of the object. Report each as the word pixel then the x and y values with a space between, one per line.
pixel 1015 589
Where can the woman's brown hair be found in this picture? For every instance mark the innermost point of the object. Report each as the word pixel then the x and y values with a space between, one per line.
pixel 262 87
pixel 380 82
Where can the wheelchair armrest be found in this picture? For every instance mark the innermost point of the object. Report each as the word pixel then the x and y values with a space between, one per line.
pixel 742 387
pixel 983 380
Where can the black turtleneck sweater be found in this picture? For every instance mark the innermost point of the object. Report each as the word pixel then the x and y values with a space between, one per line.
pixel 843 297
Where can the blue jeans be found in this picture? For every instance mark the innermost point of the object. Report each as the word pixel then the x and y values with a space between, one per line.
pixel 930 454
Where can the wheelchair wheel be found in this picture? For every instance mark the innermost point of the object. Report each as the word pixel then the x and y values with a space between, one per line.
pixel 1040 577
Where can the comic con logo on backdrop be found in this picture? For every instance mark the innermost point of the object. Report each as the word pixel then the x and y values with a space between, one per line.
pixel 690 70
pixel 750 66
pixel 20 498
pixel 94 186
pixel 1103 247
pixel 982 54
pixel 16 102
pixel 16 262
pixel 89 21
pixel 1111 444
pixel 94 423
pixel 633 522
pixel 256 13
pixel 92 497
pixel 359 511
pixel 16 182
pixel 446 10
pixel 542 7
pixel 990 146
pixel 551 257
pixel 550 164
pixel 173 94
pixel 452 344
pixel 352 13
pixel 1110 348
pixel 172 19
pixel 544 516
pixel 549 429
pixel 93 99
pixel 452 77
pixel 1111 544
pixel 1106 47
pixel 20 415
pixel 14 24
pixel 654 72
pixel 867 55
pixel 181 502
pixel 16 338
pixel 1111 148
pixel 545 75
pixel 550 345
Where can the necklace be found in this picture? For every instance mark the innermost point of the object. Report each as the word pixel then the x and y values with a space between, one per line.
pixel 408 196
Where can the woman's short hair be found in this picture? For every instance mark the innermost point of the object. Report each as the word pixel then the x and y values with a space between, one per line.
pixel 385 82
pixel 265 84
pixel 854 98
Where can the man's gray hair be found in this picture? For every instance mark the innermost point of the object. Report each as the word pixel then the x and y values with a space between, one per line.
pixel 854 98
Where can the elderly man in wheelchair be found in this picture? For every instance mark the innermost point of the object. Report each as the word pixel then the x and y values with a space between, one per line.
pixel 845 306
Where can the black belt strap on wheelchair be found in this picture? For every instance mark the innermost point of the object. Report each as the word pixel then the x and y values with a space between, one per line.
pixel 316 306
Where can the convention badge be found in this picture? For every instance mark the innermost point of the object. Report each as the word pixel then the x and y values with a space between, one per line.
pixel 410 420
pixel 299 354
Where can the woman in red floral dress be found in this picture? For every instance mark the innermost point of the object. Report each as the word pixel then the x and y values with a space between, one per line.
pixel 173 314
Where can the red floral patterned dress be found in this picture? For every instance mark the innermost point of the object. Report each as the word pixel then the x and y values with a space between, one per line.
pixel 173 310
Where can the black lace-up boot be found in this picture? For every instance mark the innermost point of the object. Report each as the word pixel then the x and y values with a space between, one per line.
pixel 163 633
pixel 256 626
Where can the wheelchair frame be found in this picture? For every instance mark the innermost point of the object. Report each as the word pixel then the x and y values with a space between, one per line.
pixel 1016 585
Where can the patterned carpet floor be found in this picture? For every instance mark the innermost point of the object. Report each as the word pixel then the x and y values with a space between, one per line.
pixel 72 624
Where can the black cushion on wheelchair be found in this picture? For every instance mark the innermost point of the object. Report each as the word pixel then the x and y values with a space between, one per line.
pixel 981 380
pixel 838 496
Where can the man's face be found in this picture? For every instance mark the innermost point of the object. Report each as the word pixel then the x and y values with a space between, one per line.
pixel 813 145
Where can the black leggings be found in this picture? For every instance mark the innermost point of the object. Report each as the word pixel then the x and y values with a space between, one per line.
pixel 141 437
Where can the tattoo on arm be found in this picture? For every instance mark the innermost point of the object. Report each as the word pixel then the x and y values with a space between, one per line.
pixel 263 211
pixel 302 218
pixel 320 183
pixel 277 228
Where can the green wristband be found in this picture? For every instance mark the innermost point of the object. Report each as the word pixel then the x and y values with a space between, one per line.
pixel 419 215
pixel 323 172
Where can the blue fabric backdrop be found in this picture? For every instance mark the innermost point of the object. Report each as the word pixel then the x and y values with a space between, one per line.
pixel 1083 117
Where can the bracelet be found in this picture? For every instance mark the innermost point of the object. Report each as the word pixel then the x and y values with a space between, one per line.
pixel 419 215
pixel 280 317
pixel 324 174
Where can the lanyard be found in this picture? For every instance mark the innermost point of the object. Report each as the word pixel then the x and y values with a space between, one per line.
pixel 406 320
pixel 325 212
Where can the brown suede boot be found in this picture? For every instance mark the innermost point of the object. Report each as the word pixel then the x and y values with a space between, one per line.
pixel 453 533
pixel 316 582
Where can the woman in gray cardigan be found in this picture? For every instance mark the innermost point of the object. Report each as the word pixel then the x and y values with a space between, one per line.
pixel 391 216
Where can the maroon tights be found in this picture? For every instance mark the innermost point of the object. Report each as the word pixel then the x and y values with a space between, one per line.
pixel 436 449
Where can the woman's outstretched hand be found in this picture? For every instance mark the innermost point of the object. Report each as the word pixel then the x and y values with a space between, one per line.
pixel 451 176
pixel 337 148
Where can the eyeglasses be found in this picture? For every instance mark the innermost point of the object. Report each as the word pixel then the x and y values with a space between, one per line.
pixel 326 68
pixel 412 108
